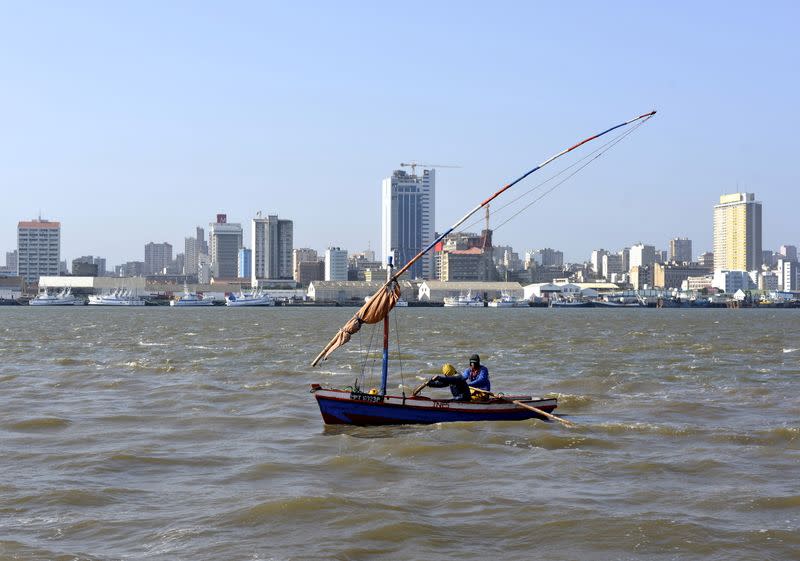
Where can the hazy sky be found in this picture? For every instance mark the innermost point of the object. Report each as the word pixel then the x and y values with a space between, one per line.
pixel 132 122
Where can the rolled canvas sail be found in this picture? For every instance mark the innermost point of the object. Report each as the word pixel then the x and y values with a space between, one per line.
pixel 377 308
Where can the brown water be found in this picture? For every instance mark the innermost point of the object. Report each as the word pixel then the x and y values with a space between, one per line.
pixel 159 433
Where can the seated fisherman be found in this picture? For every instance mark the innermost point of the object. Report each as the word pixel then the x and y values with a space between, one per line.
pixel 476 376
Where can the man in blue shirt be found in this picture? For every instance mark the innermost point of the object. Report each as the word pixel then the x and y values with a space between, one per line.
pixel 477 376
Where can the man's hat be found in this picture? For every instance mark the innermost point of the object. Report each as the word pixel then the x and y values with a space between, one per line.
pixel 474 359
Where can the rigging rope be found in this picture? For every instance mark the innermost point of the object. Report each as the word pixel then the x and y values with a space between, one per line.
pixel 591 157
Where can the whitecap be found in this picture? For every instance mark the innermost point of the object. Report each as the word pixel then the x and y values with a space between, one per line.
pixel 789 350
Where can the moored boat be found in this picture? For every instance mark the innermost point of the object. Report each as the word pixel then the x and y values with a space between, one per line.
pixel 463 301
pixel 63 297
pixel 257 298
pixel 119 297
pixel 190 300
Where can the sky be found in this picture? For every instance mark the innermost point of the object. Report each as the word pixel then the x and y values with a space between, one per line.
pixel 132 122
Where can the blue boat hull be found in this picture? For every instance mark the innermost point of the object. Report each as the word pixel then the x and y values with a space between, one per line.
pixel 339 407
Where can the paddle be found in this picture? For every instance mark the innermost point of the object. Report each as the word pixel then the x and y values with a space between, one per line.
pixel 526 406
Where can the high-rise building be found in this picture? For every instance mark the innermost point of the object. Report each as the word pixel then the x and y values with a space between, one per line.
pixel 707 260
pixel 737 233
pixel 597 261
pixel 12 257
pixel 157 257
pixel 642 255
pixel 789 252
pixel 245 263
pixel 787 274
pixel 335 264
pixel 226 241
pixel 550 257
pixel 193 248
pixel 38 249
pixel 302 255
pixel 408 204
pixel 272 241
pixel 680 250
pixel 612 263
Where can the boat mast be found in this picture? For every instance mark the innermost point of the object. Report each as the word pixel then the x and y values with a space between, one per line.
pixel 385 361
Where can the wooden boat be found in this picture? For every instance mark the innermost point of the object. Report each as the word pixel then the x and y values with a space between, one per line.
pixel 348 407
pixel 355 407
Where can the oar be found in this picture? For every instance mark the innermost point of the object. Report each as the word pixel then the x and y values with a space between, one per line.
pixel 526 406
pixel 420 387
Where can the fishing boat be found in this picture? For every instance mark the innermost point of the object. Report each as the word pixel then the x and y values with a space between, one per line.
pixel 64 297
pixel 508 301
pixel 463 301
pixel 256 298
pixel 190 300
pixel 354 406
pixel 119 297
pixel 570 303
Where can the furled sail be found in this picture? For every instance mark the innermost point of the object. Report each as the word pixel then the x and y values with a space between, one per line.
pixel 375 310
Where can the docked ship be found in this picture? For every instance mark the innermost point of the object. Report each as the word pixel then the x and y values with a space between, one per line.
pixel 463 301
pixel 508 301
pixel 190 300
pixel 256 298
pixel 120 297
pixel 62 298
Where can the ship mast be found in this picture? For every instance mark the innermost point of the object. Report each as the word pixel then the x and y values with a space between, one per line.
pixel 385 360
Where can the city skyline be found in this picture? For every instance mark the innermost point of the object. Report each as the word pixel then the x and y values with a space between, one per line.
pixel 306 120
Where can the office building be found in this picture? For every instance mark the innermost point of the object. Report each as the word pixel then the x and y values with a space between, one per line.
pixel 271 240
pixel 157 258
pixel 597 261
pixel 737 233
pixel 193 248
pixel 407 219
pixel 789 252
pixel 642 255
pixel 335 264
pixel 672 275
pixel 303 255
pixel 38 249
pixel 549 257
pixel 226 241
pixel 680 250
pixel 612 264
pixel 245 263
pixel 787 274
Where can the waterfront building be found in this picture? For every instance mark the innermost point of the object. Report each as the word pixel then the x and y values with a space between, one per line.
pixel 787 274
pixel 467 265
pixel 358 264
pixel 38 249
pixel 707 260
pixel 10 270
pixel 731 281
pixel 789 252
pixel 642 255
pixel 226 241
pixel 130 269
pixel 272 240
pixel 597 262
pixel 768 281
pixel 193 247
pixel 310 271
pixel 85 267
pixel 437 291
pixel 303 255
pixel 612 265
pixel 680 250
pixel 245 263
pixel 641 276
pixel 698 283
pixel 335 264
pixel 549 257
pixel 157 257
pixel 737 233
pixel 408 204
pixel 672 275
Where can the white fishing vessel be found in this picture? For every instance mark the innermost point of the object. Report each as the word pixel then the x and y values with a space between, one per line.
pixel 63 297
pixel 508 301
pixel 190 300
pixel 255 298
pixel 463 301
pixel 119 297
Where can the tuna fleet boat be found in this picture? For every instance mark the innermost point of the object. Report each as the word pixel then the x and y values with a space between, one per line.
pixel 62 298
pixel 355 406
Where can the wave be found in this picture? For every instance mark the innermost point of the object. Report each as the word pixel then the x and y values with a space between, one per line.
pixel 40 424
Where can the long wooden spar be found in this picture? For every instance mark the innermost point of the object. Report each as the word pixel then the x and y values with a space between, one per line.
pixel 404 268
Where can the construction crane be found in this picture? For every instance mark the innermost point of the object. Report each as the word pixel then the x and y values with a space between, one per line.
pixel 413 165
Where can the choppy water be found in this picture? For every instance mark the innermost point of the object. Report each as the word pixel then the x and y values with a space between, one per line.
pixel 159 433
